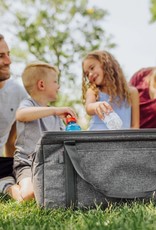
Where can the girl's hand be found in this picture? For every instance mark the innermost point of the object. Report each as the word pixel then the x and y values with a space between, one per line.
pixel 102 108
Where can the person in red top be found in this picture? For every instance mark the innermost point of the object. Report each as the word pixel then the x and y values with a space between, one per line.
pixel 145 82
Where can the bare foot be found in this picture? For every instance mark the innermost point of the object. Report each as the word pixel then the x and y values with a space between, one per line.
pixel 14 192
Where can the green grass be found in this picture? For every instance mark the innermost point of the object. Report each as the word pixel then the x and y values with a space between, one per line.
pixel 28 216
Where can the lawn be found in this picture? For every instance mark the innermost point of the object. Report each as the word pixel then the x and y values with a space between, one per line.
pixel 28 216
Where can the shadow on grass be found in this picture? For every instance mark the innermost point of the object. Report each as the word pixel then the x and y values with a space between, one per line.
pixel 4 198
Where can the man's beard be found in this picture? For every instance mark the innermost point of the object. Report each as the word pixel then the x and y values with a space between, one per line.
pixel 4 78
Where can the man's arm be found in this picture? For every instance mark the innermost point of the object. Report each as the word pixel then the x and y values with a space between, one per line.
pixel 10 145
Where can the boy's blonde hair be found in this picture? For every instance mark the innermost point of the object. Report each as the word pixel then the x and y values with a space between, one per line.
pixel 115 81
pixel 36 71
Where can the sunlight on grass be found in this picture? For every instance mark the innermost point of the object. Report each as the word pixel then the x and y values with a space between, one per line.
pixel 29 216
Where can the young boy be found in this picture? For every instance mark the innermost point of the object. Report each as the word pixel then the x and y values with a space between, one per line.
pixel 33 117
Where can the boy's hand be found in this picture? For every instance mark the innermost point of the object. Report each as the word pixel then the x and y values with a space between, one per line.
pixel 62 112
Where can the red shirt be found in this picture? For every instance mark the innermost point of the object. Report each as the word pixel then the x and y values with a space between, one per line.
pixel 147 105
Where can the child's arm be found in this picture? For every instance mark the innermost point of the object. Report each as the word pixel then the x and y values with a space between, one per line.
pixel 33 113
pixel 96 107
pixel 135 116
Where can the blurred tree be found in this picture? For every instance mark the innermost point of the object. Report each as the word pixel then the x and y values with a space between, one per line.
pixel 59 32
pixel 153 10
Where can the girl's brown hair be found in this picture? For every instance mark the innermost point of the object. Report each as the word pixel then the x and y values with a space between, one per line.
pixel 115 81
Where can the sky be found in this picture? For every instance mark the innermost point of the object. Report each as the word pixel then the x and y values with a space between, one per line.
pixel 128 22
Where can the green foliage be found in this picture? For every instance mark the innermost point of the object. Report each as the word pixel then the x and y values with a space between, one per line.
pixel 60 32
pixel 153 10
pixel 134 216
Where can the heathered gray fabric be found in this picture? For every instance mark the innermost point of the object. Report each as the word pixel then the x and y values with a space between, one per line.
pixel 10 97
pixel 28 134
pixel 117 164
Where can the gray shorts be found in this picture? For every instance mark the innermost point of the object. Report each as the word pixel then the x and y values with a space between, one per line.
pixel 21 167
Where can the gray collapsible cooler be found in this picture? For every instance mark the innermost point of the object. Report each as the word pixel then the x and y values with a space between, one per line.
pixel 88 168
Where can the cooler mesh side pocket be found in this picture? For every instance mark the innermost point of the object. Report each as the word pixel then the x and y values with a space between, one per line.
pixel 54 176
